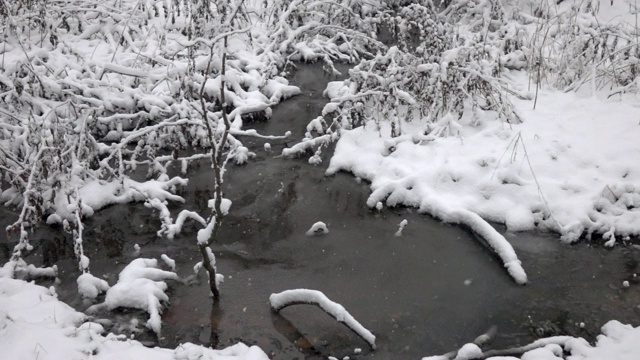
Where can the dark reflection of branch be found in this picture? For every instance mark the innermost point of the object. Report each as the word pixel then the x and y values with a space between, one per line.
pixel 215 319
pixel 291 333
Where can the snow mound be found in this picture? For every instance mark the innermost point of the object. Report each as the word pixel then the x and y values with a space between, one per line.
pixel 141 286
pixel 617 341
pixel 319 228
pixel 90 286
pixel 401 226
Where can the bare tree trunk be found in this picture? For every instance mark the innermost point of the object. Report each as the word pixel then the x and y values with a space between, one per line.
pixel 217 163
pixel 211 271
pixel 216 315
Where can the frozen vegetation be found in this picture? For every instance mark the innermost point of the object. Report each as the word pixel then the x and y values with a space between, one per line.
pixel 521 113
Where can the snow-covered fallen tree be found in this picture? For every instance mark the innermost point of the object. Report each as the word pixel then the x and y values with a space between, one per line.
pixel 314 297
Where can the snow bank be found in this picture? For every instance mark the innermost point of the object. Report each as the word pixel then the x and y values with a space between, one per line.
pixel 431 177
pixel 34 324
pixel 557 170
pixel 314 297
pixel 617 341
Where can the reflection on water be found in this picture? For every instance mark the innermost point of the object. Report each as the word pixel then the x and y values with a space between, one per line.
pixel 424 293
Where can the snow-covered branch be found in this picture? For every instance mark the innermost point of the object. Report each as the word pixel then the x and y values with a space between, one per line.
pixel 313 297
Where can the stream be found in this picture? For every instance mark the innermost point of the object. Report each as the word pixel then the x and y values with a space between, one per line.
pixel 426 292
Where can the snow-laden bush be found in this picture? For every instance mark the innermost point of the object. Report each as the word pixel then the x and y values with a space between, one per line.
pixel 438 74
pixel 572 43
pixel 90 93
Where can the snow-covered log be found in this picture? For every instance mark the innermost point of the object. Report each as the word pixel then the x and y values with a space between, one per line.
pixel 317 298
pixel 496 241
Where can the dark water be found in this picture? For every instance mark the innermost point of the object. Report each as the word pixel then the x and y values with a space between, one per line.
pixel 424 293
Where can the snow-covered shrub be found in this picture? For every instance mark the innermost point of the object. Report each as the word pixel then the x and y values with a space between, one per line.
pixel 322 30
pixel 568 45
pixel 89 95
pixel 436 75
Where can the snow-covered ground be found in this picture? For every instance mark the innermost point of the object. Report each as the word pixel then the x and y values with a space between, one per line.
pixel 34 324
pixel 570 165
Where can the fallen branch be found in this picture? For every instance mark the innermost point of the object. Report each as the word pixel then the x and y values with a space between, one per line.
pixel 313 297
pixel 516 351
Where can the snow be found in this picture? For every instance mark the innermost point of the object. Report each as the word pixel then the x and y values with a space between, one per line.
pixel 401 226
pixel 90 287
pixel 19 269
pixel 34 324
pixel 306 296
pixel 204 235
pixel 96 195
pixel 568 165
pixel 238 351
pixel 468 351
pixel 617 341
pixel 557 170
pixel 318 228
pixel 141 285
pixel 169 262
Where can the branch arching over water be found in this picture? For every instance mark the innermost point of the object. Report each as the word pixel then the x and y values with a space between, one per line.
pixel 314 297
